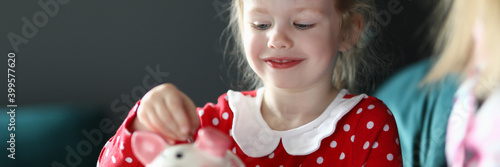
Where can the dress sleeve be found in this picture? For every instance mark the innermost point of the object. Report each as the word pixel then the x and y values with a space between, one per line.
pixel 377 140
pixel 118 150
pixel 217 115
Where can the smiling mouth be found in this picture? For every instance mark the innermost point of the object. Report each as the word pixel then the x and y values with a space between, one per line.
pixel 282 63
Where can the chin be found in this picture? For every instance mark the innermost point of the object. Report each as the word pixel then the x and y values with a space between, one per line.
pixel 284 84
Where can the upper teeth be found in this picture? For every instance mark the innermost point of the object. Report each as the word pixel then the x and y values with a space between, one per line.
pixel 281 61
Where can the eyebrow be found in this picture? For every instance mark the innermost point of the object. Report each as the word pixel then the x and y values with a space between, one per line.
pixel 258 10
pixel 314 10
pixel 299 10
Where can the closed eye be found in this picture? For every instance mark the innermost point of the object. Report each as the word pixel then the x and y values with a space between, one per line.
pixel 304 26
pixel 261 26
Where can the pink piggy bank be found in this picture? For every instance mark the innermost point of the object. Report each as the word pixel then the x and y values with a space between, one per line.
pixel 211 149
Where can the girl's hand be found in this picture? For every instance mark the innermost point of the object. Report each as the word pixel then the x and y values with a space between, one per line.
pixel 167 111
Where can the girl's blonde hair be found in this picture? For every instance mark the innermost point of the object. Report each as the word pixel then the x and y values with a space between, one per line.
pixel 455 42
pixel 353 69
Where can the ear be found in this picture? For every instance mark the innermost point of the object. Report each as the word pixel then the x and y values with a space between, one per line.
pixel 352 35
pixel 213 141
pixel 147 145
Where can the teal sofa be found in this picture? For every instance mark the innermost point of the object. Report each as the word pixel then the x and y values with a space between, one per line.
pixel 58 135
pixel 421 113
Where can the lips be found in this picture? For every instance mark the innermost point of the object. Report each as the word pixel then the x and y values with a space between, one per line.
pixel 282 63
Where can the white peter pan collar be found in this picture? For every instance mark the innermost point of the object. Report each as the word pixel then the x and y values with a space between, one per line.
pixel 256 139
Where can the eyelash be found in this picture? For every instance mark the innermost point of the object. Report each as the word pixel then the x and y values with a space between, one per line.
pixel 304 26
pixel 260 26
pixel 299 26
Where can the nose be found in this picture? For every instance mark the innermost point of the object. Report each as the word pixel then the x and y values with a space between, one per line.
pixel 279 39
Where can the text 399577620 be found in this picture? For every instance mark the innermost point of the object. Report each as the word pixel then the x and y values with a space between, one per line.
pixel 11 95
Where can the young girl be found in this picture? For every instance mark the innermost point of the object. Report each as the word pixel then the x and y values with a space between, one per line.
pixel 469 42
pixel 303 53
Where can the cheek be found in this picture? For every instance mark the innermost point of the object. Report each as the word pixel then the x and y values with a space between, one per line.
pixel 322 47
pixel 254 45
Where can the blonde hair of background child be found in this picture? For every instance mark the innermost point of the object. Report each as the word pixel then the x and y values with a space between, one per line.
pixel 353 69
pixel 455 42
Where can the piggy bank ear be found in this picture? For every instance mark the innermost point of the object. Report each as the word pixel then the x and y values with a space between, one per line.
pixel 213 141
pixel 147 145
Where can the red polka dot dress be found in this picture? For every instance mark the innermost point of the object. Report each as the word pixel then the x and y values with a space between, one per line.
pixel 352 131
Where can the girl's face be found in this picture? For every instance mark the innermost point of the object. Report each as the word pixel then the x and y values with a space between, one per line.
pixel 291 43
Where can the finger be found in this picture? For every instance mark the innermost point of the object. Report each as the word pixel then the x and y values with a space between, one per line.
pixel 193 115
pixel 168 122
pixel 173 100
pixel 156 125
pixel 142 121
pixel 176 107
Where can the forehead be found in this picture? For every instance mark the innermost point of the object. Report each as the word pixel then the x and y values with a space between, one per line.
pixel 264 6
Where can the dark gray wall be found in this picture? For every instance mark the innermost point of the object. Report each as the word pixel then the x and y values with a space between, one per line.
pixel 94 51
